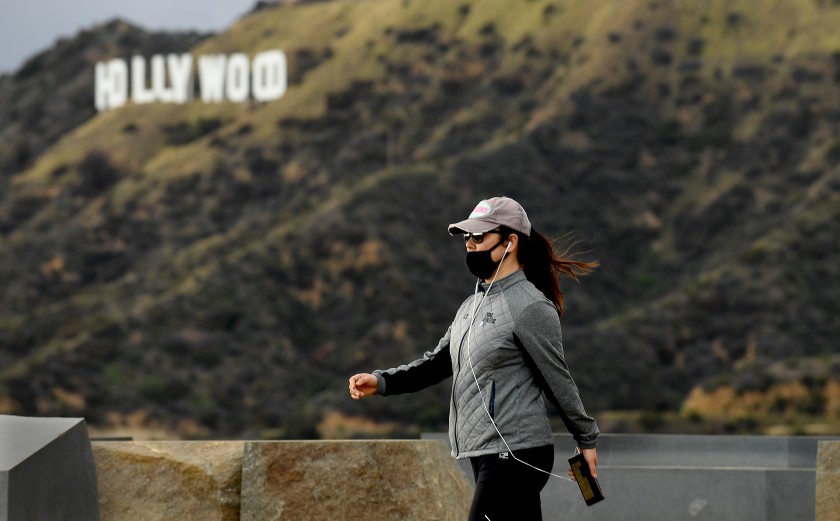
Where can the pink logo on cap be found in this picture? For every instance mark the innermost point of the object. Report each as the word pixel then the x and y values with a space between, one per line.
pixel 481 210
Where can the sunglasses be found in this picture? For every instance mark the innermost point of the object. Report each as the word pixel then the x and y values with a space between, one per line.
pixel 478 237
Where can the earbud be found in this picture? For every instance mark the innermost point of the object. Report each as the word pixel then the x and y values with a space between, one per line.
pixel 507 248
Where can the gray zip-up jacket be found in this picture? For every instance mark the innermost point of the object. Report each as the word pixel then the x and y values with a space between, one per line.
pixel 516 348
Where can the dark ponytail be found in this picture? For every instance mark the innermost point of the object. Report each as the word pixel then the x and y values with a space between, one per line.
pixel 544 267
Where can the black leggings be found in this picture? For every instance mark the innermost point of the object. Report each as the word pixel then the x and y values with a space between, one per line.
pixel 507 490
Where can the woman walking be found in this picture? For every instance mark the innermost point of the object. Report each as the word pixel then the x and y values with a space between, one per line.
pixel 504 349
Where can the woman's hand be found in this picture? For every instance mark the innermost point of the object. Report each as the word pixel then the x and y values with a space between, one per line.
pixel 591 457
pixel 363 385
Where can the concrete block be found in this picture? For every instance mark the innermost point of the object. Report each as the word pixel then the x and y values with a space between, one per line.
pixel 328 480
pixel 169 480
pixel 828 481
pixel 738 478
pixel 790 494
pixel 690 477
pixel 46 470
pixel 675 494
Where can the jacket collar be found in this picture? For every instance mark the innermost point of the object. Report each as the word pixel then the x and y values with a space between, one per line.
pixel 501 284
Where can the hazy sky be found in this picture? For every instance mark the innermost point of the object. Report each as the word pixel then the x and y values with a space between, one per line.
pixel 28 27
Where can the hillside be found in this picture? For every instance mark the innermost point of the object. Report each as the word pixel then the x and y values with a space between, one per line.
pixel 51 93
pixel 219 270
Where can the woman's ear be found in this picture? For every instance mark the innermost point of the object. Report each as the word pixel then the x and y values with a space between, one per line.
pixel 513 242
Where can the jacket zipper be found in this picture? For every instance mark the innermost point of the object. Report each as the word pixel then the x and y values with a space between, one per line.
pixel 454 401
pixel 455 379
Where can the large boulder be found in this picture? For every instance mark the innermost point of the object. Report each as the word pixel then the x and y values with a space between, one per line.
pixel 329 480
pixel 171 480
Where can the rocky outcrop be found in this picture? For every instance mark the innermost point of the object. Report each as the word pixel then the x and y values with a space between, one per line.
pixel 828 481
pixel 328 480
pixel 170 480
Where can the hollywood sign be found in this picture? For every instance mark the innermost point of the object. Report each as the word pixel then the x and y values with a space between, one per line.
pixel 170 79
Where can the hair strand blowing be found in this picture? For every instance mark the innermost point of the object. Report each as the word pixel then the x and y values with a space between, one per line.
pixel 544 267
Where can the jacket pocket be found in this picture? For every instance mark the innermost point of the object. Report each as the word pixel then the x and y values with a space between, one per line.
pixel 493 399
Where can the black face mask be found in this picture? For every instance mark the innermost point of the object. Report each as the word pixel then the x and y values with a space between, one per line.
pixel 481 264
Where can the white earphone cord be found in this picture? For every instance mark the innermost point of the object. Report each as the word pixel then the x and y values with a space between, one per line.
pixel 476 307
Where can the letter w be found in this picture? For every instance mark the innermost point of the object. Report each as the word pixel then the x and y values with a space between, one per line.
pixel 211 72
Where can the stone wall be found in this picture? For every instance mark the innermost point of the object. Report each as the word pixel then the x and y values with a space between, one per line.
pixel 828 481
pixel 716 478
pixel 169 480
pixel 288 480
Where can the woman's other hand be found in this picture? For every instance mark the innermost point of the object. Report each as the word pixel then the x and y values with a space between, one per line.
pixel 363 385
pixel 591 457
